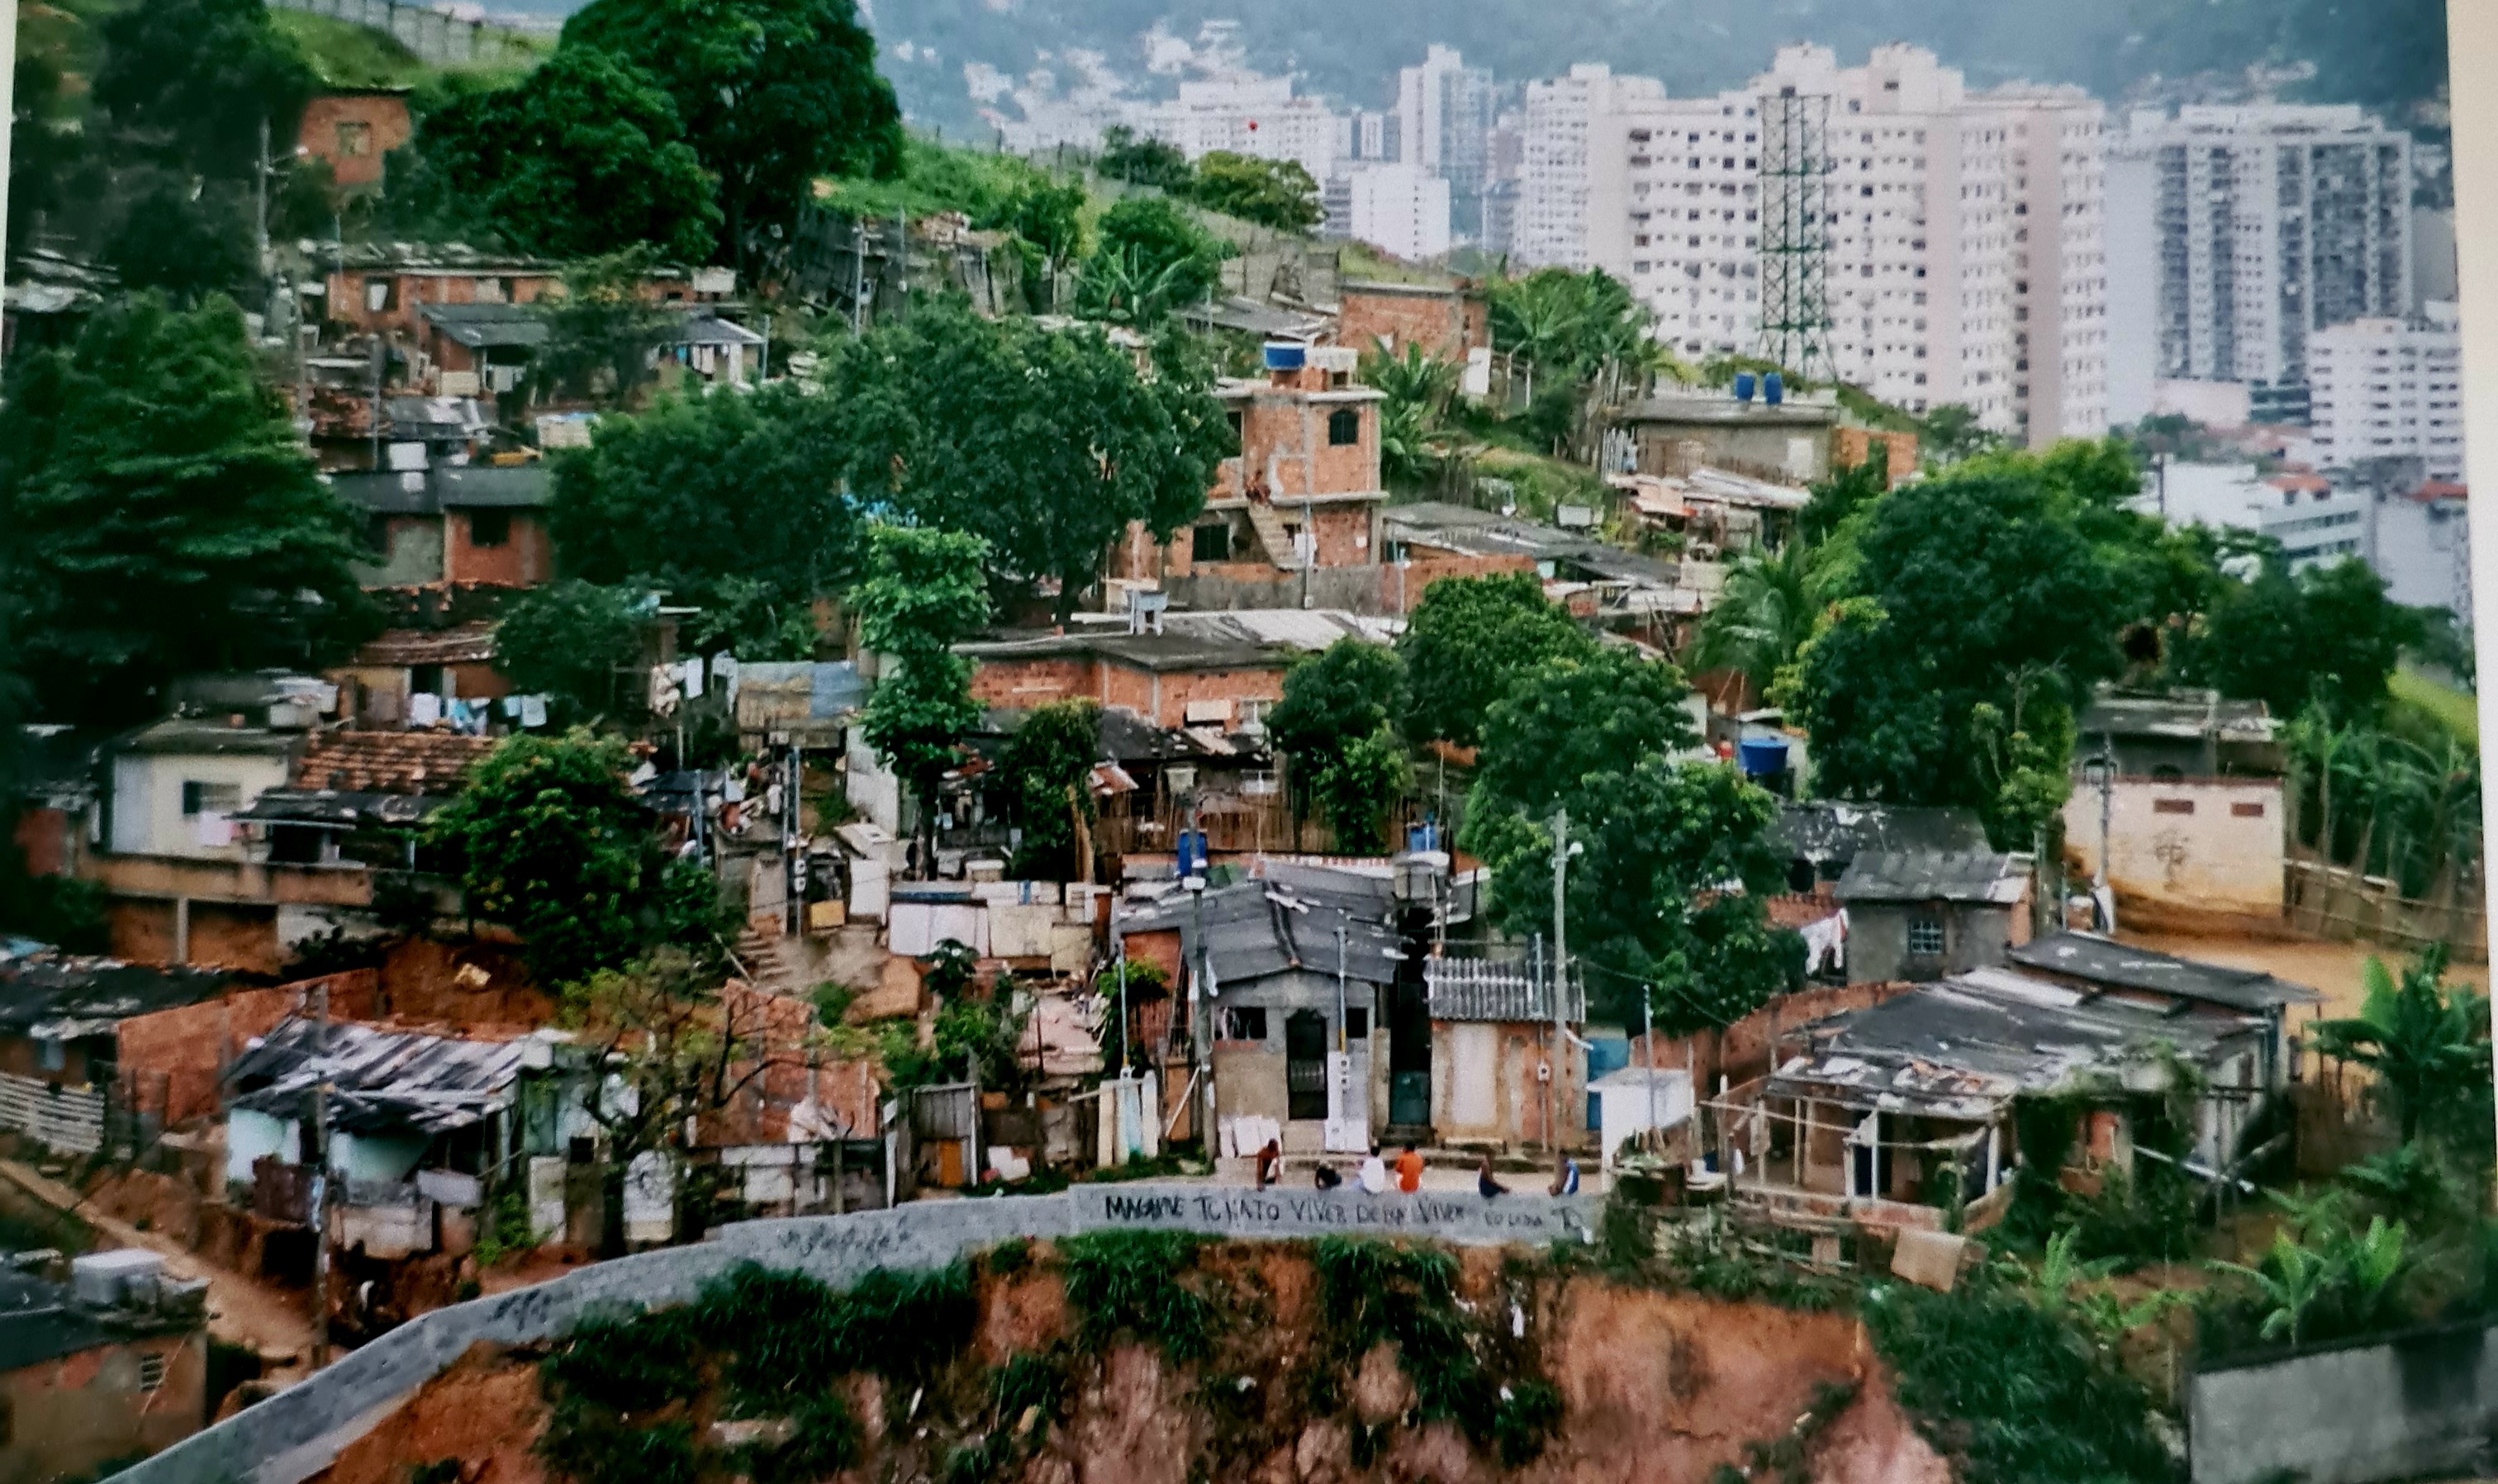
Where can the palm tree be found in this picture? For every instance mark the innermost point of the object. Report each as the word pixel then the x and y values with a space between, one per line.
pixel 2422 1039
pixel 1766 613
pixel 1117 287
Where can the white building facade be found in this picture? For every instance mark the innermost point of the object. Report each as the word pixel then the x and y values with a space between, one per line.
pixel 1967 256
pixel 2267 223
pixel 1251 116
pixel 1401 209
pixel 1445 111
pixel 2389 388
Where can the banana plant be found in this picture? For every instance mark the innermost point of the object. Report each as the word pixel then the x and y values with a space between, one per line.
pixel 2292 1278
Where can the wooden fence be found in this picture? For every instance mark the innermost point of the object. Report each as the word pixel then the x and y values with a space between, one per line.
pixel 66 1120
pixel 2340 903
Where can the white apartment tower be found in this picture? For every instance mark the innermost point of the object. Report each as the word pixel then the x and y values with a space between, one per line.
pixel 1251 115
pixel 2389 388
pixel 1444 113
pixel 1965 259
pixel 2269 222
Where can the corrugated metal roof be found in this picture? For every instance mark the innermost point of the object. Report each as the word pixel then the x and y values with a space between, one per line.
pixel 378 1079
pixel 1835 832
pixel 74 994
pixel 2105 962
pixel 1256 929
pixel 1936 876
pixel 1963 1048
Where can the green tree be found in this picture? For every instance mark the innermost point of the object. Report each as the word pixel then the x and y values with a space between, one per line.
pixel 1951 433
pixel 1142 161
pixel 1763 617
pixel 1420 388
pixel 2326 634
pixel 1149 257
pixel 603 332
pixel 1337 697
pixel 1272 193
pixel 1044 443
pixel 1969 590
pixel 772 94
pixel 45 149
pixel 551 844
pixel 1358 788
pixel 161 513
pixel 727 500
pixel 920 594
pixel 1843 493
pixel 1045 777
pixel 1658 842
pixel 581 157
pixel 194 81
pixel 2427 1043
pixel 578 644
pixel 1467 639
pixel 185 245
pixel 1047 218
pixel 1570 327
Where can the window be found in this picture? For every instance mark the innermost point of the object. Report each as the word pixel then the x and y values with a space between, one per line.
pixel 355 137
pixel 380 295
pixel 1357 1022
pixel 2172 805
pixel 1344 427
pixel 2246 811
pixel 1242 1023
pixel 52 1055
pixel 490 528
pixel 210 797
pixel 152 1371
pixel 1209 543
pixel 1925 937
pixel 1239 428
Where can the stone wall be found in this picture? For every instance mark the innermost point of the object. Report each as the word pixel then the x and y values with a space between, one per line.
pixel 2425 1404
pixel 297 1432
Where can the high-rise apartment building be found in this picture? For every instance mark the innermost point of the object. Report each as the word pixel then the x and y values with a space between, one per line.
pixel 1251 115
pixel 2389 388
pixel 1964 259
pixel 1445 111
pixel 2268 222
pixel 1403 210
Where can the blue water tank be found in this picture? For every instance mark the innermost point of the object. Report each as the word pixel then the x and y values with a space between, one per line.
pixel 1774 389
pixel 1285 355
pixel 1742 386
pixel 1761 757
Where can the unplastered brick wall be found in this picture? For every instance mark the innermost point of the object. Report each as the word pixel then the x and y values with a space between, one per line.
pixel 1023 683
pixel 1446 323
pixel 173 1058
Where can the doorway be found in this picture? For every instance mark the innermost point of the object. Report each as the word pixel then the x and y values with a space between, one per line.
pixel 1305 1047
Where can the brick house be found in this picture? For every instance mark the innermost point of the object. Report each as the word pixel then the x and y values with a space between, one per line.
pixel 351 130
pixel 1303 492
pixel 94 1374
pixel 1199 669
pixel 1449 321
pixel 455 524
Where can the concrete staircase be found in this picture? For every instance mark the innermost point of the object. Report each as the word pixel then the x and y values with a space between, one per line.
pixel 1269 526
pixel 772 964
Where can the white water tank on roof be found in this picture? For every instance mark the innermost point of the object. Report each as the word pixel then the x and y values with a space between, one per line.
pixel 114 1279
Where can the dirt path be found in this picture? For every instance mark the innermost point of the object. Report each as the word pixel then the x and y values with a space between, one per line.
pixel 241 1310
pixel 2332 970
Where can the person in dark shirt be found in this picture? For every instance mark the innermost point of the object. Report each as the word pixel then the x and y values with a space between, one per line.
pixel 1485 1180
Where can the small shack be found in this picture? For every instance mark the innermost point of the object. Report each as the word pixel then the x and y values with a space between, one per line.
pixel 1920 915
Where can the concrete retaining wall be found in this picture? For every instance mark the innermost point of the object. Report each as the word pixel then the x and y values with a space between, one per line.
pixel 445 40
pixel 298 1430
pixel 2425 1404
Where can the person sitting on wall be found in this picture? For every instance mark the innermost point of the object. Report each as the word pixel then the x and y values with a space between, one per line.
pixel 1325 1177
pixel 1270 1164
pixel 1485 1181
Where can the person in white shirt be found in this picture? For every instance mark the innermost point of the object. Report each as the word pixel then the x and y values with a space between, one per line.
pixel 1374 1174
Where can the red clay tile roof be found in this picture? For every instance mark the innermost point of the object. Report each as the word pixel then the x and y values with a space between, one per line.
pixel 2310 484
pixel 2442 489
pixel 466 643
pixel 389 762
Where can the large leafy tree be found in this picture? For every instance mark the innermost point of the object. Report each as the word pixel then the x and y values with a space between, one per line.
pixel 194 81
pixel 922 593
pixel 1045 777
pixel 1272 193
pixel 161 515
pixel 552 843
pixel 1046 444
pixel 1149 257
pixel 2326 635
pixel 1337 723
pixel 582 156
pixel 729 501
pixel 578 644
pixel 1763 617
pixel 602 332
pixel 772 95
pixel 1143 160
pixel 1972 590
pixel 182 245
pixel 1660 843
pixel 1467 639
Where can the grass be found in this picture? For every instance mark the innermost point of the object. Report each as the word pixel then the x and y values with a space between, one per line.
pixel 1362 263
pixel 934 177
pixel 1128 1282
pixel 2454 712
pixel 349 55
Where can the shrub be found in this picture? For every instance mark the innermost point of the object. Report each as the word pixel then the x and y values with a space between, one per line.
pixel 581 1445
pixel 1529 1414
pixel 1128 1282
pixel 627 1363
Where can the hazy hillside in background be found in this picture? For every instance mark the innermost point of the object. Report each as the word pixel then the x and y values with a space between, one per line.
pixel 2388 53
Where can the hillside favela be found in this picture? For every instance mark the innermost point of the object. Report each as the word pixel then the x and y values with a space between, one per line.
pixel 1166 742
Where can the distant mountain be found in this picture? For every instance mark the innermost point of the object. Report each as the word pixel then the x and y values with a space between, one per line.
pixel 2387 53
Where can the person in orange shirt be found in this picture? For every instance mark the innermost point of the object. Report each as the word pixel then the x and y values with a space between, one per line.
pixel 1409 1170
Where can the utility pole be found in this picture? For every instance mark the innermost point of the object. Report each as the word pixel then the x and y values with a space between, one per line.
pixel 1535 971
pixel 321 1176
pixel 1560 958
pixel 1200 989
pixel 1123 1009
pixel 1647 1034
pixel 2102 896
pixel 260 205
pixel 8 115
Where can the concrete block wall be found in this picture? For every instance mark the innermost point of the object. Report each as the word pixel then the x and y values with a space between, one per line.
pixel 298 1432
pixel 2421 1404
